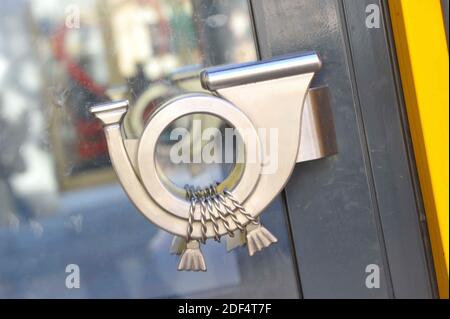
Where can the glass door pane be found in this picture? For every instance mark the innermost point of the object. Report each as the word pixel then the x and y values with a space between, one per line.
pixel 61 207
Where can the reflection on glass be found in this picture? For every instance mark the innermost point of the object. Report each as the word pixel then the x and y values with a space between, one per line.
pixel 60 203
pixel 194 150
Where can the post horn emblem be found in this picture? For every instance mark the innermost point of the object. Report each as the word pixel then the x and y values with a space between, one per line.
pixel 265 94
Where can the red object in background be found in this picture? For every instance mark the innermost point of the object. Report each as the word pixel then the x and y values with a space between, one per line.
pixel 74 70
pixel 92 141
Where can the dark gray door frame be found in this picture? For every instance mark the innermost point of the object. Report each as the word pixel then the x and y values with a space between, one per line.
pixel 362 206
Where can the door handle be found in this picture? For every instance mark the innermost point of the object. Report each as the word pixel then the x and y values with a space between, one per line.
pixel 264 96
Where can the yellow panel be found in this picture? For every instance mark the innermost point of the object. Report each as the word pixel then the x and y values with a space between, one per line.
pixel 422 51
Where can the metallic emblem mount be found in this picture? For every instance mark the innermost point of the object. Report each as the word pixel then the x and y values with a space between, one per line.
pixel 264 94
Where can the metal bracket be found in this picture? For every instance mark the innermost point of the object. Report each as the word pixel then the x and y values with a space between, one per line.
pixel 318 135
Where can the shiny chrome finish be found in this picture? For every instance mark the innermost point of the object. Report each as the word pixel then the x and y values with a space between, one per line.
pixel 111 112
pixel 217 78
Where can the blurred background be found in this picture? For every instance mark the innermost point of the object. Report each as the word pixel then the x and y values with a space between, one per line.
pixel 60 202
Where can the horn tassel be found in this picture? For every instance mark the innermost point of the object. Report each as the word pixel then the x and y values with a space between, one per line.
pixel 258 238
pixel 238 240
pixel 192 258
pixel 178 245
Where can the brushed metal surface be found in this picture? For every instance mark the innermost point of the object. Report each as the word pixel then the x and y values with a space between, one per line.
pixel 275 98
